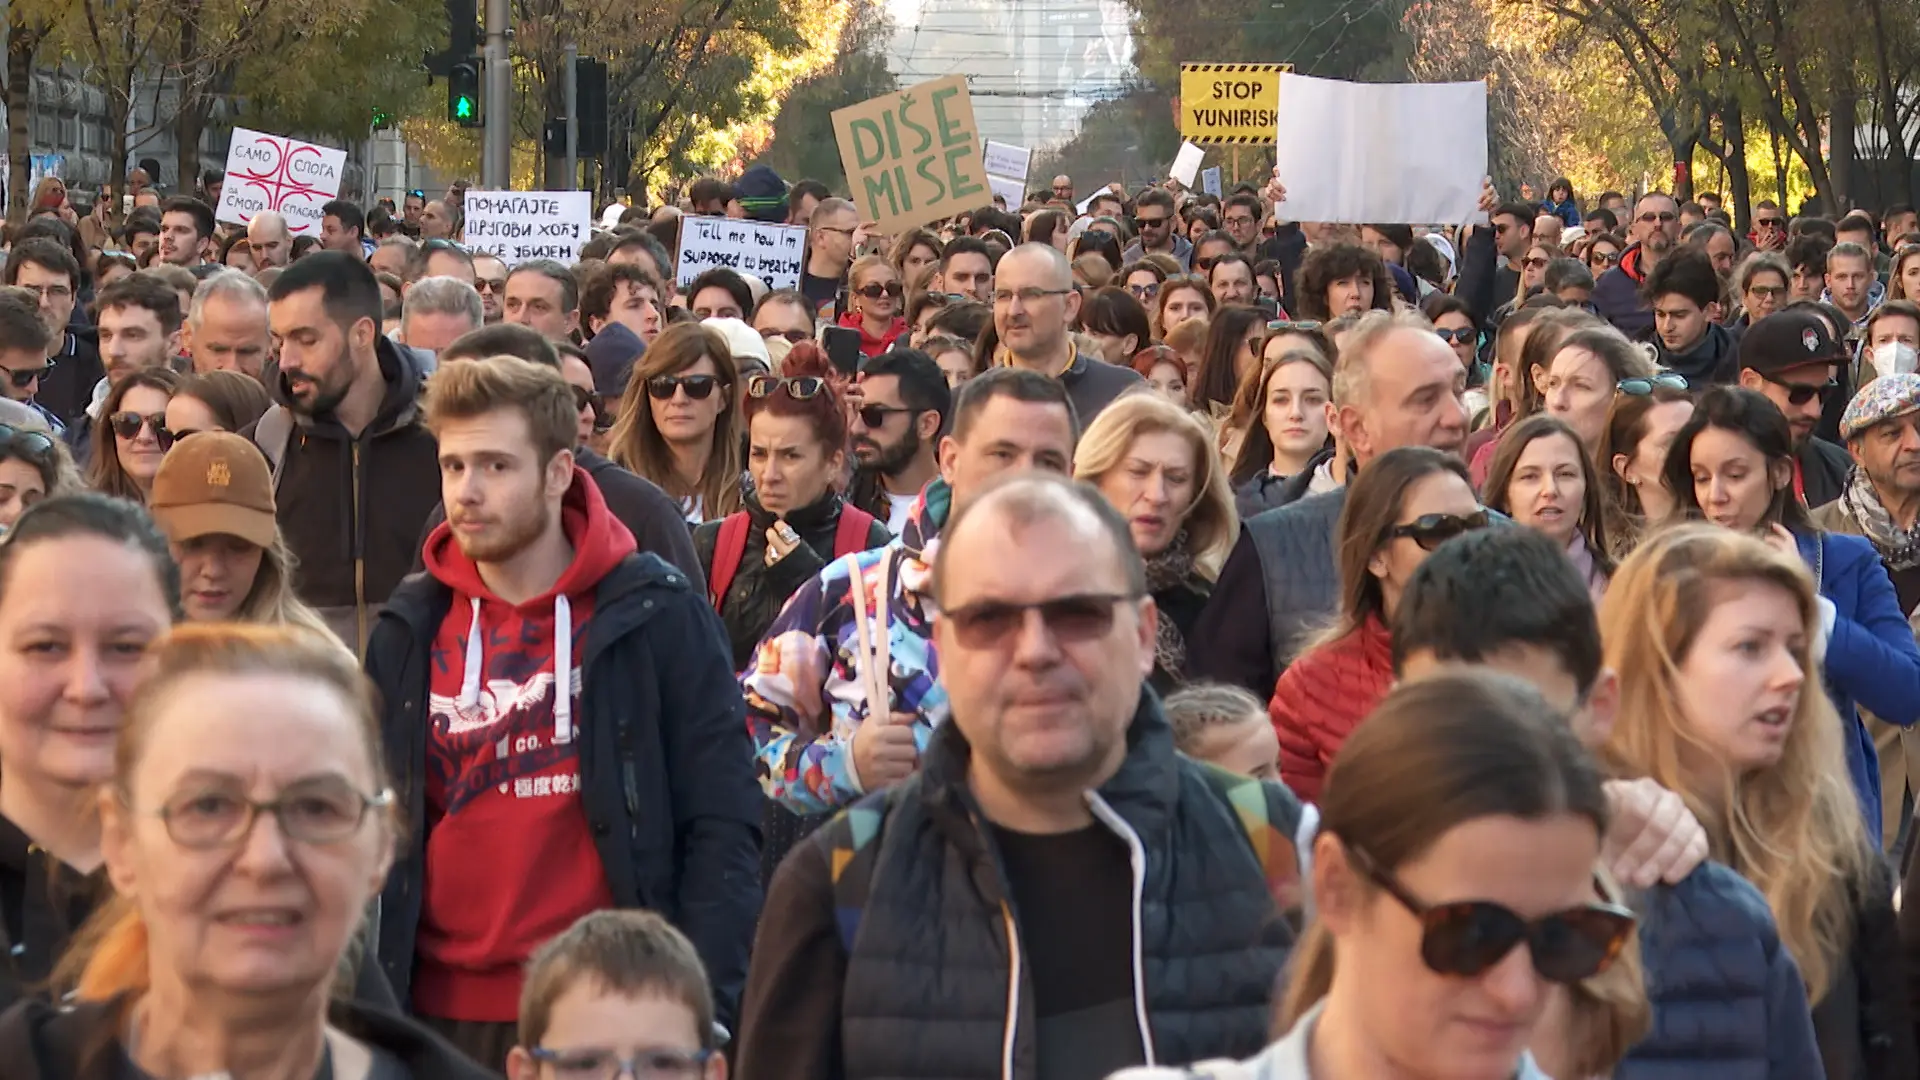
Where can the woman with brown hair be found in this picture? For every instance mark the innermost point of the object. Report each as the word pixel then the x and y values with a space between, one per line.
pixel 1903 281
pixel 1544 479
pixel 1181 297
pixel 1453 896
pixel 1117 323
pixel 1522 352
pixel 679 425
pixel 1404 504
pixel 914 251
pixel 1284 414
pixel 131 435
pixel 247 827
pixel 1633 452
pixel 216 401
pixel 1232 352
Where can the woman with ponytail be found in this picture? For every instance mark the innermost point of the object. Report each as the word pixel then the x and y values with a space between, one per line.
pixel 86 584
pixel 246 827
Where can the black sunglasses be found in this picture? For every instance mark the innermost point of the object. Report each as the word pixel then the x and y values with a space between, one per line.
pixel 799 388
pixel 127 425
pixel 698 387
pixel 36 444
pixel 21 378
pixel 988 623
pixel 1641 387
pixel 875 292
pixel 1466 939
pixel 1150 222
pixel 874 416
pixel 1800 394
pixel 1432 530
pixel 1457 337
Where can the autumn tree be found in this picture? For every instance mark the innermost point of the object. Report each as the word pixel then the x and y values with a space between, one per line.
pixel 803 143
pixel 30 25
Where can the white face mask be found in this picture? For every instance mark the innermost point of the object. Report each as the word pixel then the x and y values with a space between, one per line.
pixel 1894 358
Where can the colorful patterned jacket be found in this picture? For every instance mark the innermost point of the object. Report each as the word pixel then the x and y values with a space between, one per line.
pixel 805 694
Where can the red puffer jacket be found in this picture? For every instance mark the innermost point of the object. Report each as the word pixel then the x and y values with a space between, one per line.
pixel 1322 697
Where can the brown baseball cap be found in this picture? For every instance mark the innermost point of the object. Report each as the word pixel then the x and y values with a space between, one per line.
pixel 214 482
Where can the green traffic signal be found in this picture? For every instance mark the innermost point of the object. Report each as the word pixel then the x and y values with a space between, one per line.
pixel 463 94
pixel 463 108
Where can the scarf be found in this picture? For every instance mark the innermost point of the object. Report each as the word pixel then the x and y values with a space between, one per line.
pixel 1170 569
pixel 1898 548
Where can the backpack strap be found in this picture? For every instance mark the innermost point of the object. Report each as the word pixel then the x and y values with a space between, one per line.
pixel 850 535
pixel 273 435
pixel 851 854
pixel 1266 830
pixel 728 549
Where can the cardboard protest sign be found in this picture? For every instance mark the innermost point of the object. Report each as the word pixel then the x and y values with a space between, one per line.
pixel 772 253
pixel 1230 103
pixel 1398 153
pixel 914 156
pixel 515 226
pixel 274 172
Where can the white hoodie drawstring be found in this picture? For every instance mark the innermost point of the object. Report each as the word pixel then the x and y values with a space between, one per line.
pixel 470 684
pixel 562 670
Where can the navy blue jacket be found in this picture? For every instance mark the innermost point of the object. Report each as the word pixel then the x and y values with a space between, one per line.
pixel 1871 662
pixel 666 765
pixel 1728 1000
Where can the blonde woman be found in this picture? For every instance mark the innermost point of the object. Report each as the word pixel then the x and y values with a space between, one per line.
pixel 878 300
pixel 213 498
pixel 1155 462
pixel 1713 635
pixel 679 422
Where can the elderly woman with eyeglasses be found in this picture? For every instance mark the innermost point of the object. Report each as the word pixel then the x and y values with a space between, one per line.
pixel 246 824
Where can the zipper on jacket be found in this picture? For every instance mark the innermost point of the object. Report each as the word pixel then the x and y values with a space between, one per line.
pixel 1013 993
pixel 1137 857
pixel 359 562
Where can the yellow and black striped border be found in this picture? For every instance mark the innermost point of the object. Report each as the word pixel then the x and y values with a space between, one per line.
pixel 1230 140
pixel 1261 69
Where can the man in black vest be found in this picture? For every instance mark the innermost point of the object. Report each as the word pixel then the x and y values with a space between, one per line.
pixel 1056 893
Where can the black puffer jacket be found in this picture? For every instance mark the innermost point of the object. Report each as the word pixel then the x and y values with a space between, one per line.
pixel 759 591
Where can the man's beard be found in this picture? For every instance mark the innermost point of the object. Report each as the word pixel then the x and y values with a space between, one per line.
pixel 893 460
pixel 325 398
pixel 509 537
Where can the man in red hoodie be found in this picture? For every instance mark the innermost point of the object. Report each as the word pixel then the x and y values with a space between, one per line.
pixel 562 718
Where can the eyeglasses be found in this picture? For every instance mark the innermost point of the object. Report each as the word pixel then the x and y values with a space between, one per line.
pixel 1768 292
pixel 1144 292
pixel 1466 939
pixel 1206 262
pixel 1070 619
pixel 127 425
pixel 584 399
pixel 1641 387
pixel 874 416
pixel 1432 530
pixel 698 387
pixel 1801 393
pixel 830 228
pixel 795 336
pixel 799 388
pixel 1662 217
pixel 1150 222
pixel 36 444
pixel 50 292
pixel 1768 222
pixel 1239 219
pixel 21 378
pixel 1303 325
pixel 1457 337
pixel 490 285
pixel 1533 263
pixel 1029 295
pixel 1603 258
pixel 312 812
pixel 605 1065
pixel 875 292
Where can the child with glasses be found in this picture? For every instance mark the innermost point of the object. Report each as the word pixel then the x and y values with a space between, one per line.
pixel 620 993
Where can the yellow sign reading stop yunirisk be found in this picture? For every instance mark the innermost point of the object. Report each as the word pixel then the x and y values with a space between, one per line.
pixel 1230 104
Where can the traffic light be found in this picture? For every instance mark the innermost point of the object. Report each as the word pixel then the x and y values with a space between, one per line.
pixel 590 97
pixel 382 119
pixel 463 93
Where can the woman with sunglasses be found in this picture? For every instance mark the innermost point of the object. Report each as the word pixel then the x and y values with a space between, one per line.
pixel 1731 464
pixel 133 436
pixel 1587 370
pixel 1155 463
pixel 793 522
pixel 1632 455
pixel 247 824
pixel 1286 454
pixel 1603 252
pixel 1714 636
pixel 874 287
pixel 33 464
pixel 216 401
pixel 213 498
pixel 1453 895
pixel 1544 479
pixel 1182 297
pixel 678 425
pixel 86 584
pixel 1143 279
pixel 1402 506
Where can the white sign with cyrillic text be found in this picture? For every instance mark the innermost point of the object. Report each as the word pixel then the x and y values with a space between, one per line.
pixel 273 172
pixel 515 226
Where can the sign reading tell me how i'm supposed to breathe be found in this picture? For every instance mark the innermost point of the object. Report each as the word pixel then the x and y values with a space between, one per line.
pixel 515 226
pixel 771 253
pixel 913 156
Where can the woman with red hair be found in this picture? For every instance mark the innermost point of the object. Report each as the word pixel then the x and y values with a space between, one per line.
pixel 794 521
